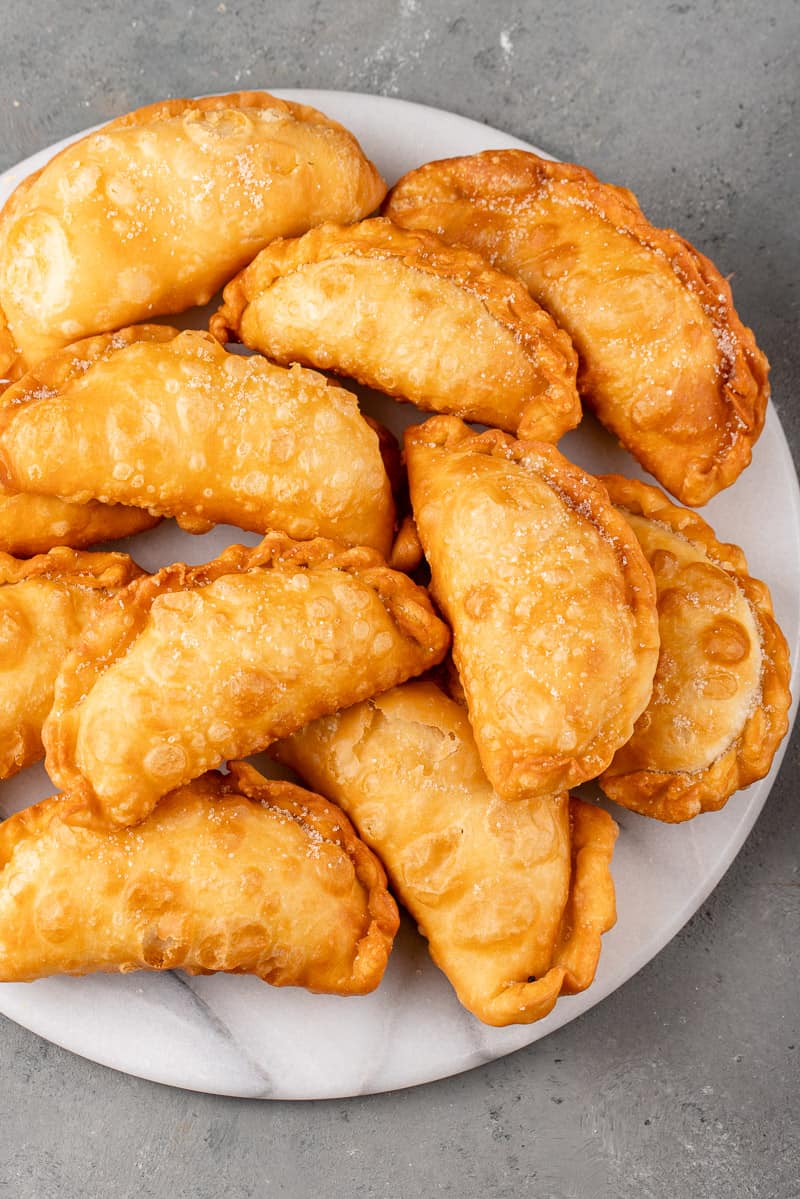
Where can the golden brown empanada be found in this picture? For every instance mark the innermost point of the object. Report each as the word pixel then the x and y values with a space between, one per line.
pixel 155 211
pixel 405 313
pixel 45 604
pixel 720 701
pixel 169 421
pixel 34 524
pixel 202 663
pixel 551 602
pixel 513 897
pixel 664 359
pixel 234 873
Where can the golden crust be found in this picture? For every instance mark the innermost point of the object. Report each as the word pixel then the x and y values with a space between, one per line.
pixel 199 663
pixel 511 897
pixel 551 602
pixel 301 901
pixel 635 299
pixel 45 603
pixel 169 421
pixel 104 241
pixel 403 312
pixel 677 795
pixel 34 524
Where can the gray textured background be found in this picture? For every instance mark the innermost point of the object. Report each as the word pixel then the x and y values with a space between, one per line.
pixel 686 1081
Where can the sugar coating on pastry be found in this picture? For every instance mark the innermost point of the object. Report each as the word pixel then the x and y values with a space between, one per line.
pixel 33 524
pixel 664 359
pixel 154 212
pixel 231 873
pixel 171 422
pixel 404 312
pixel 200 664
pixel 512 902
pixel 720 701
pixel 550 599
pixel 45 604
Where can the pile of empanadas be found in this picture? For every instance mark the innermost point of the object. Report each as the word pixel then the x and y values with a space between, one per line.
pixel 597 629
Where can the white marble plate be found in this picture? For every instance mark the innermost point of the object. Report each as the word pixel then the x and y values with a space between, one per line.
pixel 237 1036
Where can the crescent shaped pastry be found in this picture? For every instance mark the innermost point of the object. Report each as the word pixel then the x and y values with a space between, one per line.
pixel 45 604
pixel 512 897
pixel 550 599
pixel 173 423
pixel 197 664
pixel 34 524
pixel 720 701
pixel 232 873
pixel 405 313
pixel 665 361
pixel 155 211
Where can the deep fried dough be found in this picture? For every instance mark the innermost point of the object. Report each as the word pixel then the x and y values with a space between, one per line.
pixel 403 312
pixel 170 422
pixel 45 604
pixel 234 873
pixel 664 359
pixel 551 602
pixel 198 664
pixel 34 524
pixel 154 212
pixel 720 699
pixel 512 897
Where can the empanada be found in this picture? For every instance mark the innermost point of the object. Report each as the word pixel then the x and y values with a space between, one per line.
pixel 664 359
pixel 512 897
pixel 198 664
pixel 720 701
pixel 170 422
pixel 33 524
pixel 551 602
pixel 233 873
pixel 403 312
pixel 45 604
pixel 155 211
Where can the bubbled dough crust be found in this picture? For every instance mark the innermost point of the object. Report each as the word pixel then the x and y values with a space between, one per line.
pixel 492 885
pixel 33 524
pixel 45 603
pixel 154 212
pixel 721 696
pixel 403 312
pixel 551 602
pixel 197 664
pixel 664 359
pixel 170 422
pixel 236 873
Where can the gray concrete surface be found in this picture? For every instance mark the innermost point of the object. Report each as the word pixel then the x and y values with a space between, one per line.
pixel 686 1081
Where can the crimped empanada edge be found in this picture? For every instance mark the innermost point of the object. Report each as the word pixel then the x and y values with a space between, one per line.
pixel 673 797
pixel 327 819
pixel 83 568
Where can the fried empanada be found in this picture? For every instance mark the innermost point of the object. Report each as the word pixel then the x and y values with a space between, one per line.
pixel 512 897
pixel 405 313
pixel 197 664
pixel 665 361
pixel 720 701
pixel 169 421
pixel 232 873
pixel 33 524
pixel 45 604
pixel 550 598
pixel 154 212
